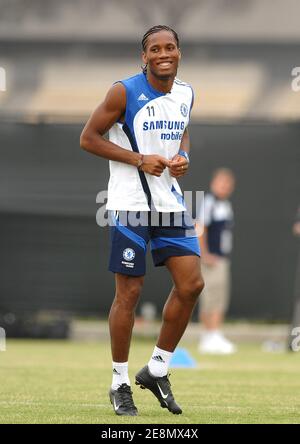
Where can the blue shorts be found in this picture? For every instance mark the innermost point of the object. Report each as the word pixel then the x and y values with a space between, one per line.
pixel 170 234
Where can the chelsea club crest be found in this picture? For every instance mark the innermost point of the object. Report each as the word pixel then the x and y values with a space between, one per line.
pixel 184 109
pixel 128 254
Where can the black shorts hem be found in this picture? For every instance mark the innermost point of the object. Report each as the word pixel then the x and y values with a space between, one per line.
pixel 128 272
pixel 159 258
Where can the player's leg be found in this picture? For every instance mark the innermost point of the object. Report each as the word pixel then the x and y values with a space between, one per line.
pixel 176 245
pixel 188 284
pixel 121 320
pixel 127 261
pixel 122 312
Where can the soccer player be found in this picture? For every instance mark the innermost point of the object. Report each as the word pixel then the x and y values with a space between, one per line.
pixel 147 117
pixel 216 245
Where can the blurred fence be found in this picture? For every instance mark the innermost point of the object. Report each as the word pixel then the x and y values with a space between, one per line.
pixel 54 256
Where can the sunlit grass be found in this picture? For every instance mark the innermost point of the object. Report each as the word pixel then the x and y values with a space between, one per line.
pixel 68 382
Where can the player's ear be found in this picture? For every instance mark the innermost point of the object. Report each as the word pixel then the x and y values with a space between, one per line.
pixel 144 58
pixel 179 51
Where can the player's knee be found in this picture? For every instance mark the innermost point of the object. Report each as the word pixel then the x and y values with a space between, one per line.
pixel 133 292
pixel 129 295
pixel 197 287
pixel 192 288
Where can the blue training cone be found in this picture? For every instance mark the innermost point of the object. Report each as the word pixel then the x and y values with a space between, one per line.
pixel 182 358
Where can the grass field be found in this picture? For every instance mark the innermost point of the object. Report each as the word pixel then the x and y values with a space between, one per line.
pixel 67 382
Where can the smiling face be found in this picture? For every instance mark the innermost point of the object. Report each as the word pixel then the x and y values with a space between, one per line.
pixel 162 55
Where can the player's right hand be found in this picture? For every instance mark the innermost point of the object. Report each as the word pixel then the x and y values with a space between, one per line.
pixel 154 164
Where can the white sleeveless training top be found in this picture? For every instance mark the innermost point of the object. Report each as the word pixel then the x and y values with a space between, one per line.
pixel 154 124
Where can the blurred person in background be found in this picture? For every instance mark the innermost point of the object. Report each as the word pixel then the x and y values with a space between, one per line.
pixel 216 246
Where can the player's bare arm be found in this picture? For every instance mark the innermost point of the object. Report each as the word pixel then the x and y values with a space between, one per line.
pixel 92 139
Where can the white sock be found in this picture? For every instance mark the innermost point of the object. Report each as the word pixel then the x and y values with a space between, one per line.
pixel 120 374
pixel 210 334
pixel 159 362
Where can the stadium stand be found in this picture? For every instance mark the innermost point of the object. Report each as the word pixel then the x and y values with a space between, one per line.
pixel 59 58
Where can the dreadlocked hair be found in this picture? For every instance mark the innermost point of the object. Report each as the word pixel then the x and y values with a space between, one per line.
pixel 154 30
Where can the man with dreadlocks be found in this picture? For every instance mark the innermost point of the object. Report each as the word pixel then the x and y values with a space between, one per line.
pixel 147 117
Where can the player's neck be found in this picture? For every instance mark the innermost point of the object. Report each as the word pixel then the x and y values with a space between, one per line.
pixel 162 85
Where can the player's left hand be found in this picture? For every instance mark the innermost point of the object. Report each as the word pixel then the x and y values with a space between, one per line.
pixel 178 166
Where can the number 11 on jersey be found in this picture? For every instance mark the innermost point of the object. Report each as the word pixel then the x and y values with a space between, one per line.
pixel 151 111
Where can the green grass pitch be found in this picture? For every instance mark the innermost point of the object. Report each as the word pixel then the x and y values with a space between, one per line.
pixel 68 382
